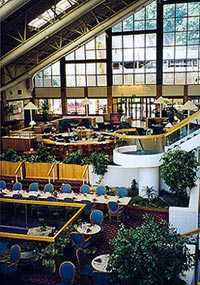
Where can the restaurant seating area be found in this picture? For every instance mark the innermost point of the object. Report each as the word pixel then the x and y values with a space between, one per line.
pixel 100 142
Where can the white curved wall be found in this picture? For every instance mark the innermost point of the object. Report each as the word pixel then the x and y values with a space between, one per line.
pixel 148 176
pixel 135 160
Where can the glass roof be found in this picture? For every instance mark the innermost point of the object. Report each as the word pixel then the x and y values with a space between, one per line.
pixel 51 13
pixel 2 2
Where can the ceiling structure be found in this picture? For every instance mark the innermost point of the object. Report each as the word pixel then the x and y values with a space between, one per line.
pixel 35 35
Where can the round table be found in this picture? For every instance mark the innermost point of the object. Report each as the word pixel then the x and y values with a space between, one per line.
pixel 100 263
pixel 88 229
pixel 25 255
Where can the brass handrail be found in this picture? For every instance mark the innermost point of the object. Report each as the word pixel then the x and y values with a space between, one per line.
pixel 160 136
pixel 50 171
pixel 19 168
pixel 84 173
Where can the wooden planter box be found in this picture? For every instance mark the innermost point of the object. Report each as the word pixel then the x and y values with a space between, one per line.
pixel 7 168
pixel 71 171
pixel 38 170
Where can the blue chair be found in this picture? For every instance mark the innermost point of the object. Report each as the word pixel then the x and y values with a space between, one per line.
pixel 122 192
pixel 10 266
pixel 33 187
pixel 88 207
pixel 84 263
pixel 78 240
pixel 100 278
pixel 2 184
pixel 67 272
pixel 3 247
pixel 84 189
pixel 17 186
pixel 96 217
pixel 114 210
pixel 100 190
pixel 48 188
pixel 66 188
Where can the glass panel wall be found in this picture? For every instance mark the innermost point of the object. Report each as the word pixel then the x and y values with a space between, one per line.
pixel 87 65
pixel 181 43
pixel 134 48
pixel 54 106
pixel 134 59
pixel 49 77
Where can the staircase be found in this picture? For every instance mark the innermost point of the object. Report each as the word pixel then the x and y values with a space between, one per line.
pixel 188 143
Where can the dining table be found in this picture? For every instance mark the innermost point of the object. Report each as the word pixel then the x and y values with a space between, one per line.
pixel 74 197
pixel 39 231
pixel 88 229
pixel 100 263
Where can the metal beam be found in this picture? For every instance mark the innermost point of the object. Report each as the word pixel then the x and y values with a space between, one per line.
pixel 10 7
pixel 47 32
pixel 78 42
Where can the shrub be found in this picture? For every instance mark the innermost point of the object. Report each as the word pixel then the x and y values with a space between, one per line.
pixel 74 158
pixel 11 155
pixel 178 170
pixel 150 254
pixel 100 162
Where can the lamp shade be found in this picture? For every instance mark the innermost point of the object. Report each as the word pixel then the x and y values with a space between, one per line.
pixel 189 106
pixel 30 106
pixel 163 101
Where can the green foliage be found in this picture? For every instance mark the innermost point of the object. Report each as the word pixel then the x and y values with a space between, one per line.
pixel 11 155
pixel 49 256
pixel 43 154
pixel 151 193
pixel 150 254
pixel 153 203
pixel 75 158
pixel 178 170
pixel 133 191
pixel 45 110
pixel 100 162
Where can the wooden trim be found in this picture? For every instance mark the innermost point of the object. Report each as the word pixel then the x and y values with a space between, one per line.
pixel 191 233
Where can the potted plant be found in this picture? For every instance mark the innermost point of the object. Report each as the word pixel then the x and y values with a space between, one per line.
pixel 100 162
pixel 150 254
pixel 178 170
pixel 74 158
pixel 45 110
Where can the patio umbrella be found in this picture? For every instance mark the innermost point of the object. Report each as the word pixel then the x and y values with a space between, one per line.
pixel 162 101
pixel 189 106
pixel 31 107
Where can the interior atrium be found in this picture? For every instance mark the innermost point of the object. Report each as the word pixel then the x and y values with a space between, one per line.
pixel 100 142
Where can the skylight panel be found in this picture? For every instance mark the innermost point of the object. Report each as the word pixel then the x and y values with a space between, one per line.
pixel 50 14
pixel 2 2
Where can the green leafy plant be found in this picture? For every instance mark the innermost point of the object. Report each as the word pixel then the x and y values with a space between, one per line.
pixel 11 155
pixel 151 193
pixel 154 203
pixel 178 170
pixel 100 162
pixel 150 254
pixel 133 191
pixel 75 158
pixel 45 110
pixel 44 155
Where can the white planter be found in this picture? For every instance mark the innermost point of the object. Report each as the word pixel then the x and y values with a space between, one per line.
pixel 117 176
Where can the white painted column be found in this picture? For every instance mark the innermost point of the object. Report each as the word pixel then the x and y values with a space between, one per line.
pixel 148 176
